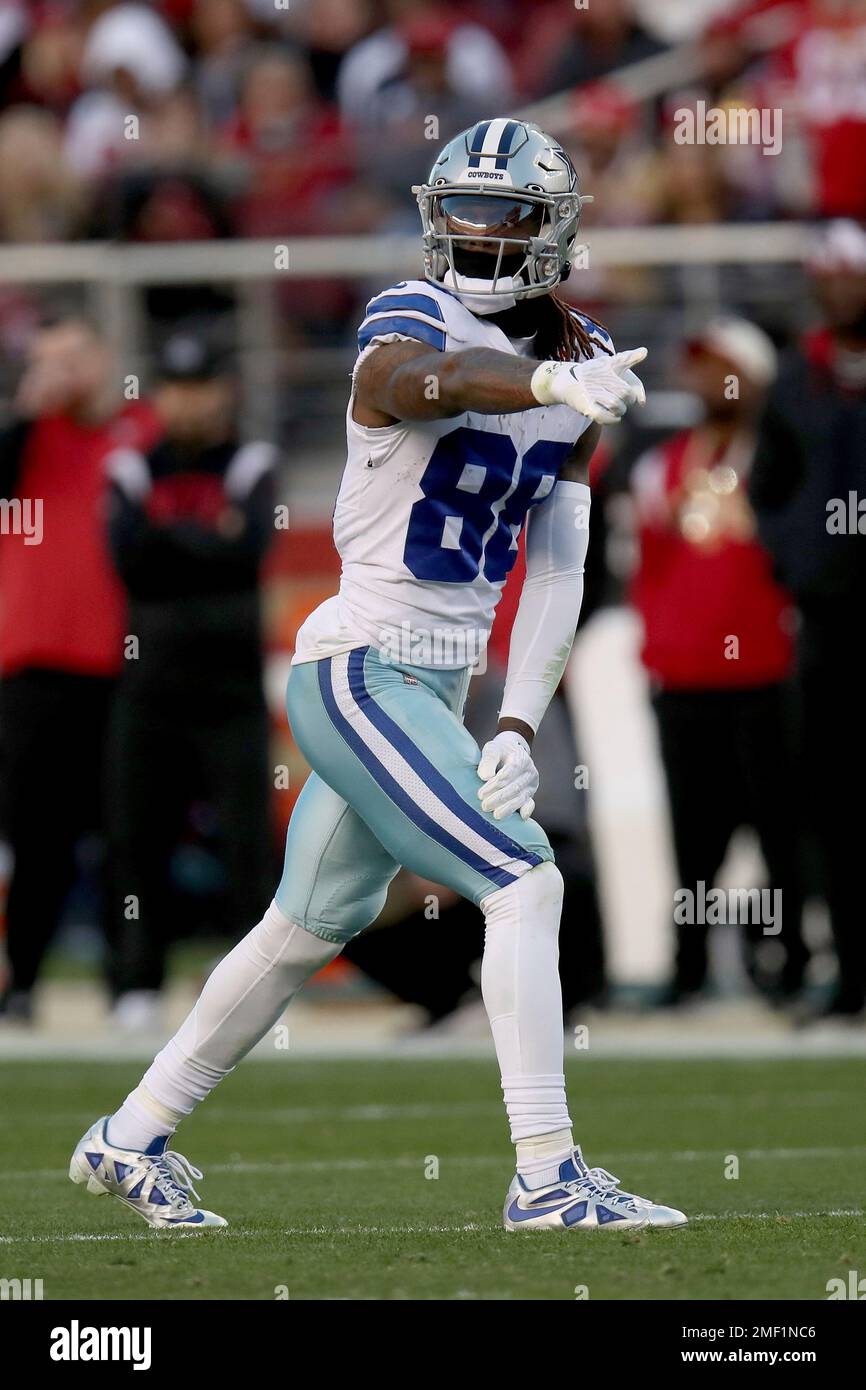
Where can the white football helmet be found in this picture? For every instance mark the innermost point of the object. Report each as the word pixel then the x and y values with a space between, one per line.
pixel 500 213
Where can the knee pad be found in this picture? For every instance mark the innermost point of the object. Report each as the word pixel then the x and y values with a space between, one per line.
pixel 339 922
pixel 533 900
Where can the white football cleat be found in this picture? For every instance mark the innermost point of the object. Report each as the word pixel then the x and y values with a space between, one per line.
pixel 584 1199
pixel 154 1184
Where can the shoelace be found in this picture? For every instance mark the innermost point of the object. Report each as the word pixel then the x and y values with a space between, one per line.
pixel 603 1184
pixel 176 1177
pixel 602 1177
pixel 606 1179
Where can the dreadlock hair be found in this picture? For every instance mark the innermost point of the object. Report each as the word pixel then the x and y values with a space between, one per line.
pixel 561 335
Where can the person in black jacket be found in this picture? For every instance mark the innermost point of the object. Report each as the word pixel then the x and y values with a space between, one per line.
pixel 189 524
pixel 820 549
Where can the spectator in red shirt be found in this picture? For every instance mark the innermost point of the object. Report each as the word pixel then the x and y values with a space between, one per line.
pixel 718 643
pixel 825 67
pixel 815 70
pixel 289 146
pixel 61 624
pixel 293 162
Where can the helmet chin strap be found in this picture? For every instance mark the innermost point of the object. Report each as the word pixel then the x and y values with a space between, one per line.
pixel 474 292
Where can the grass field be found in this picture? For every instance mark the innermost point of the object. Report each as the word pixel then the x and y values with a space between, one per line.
pixel 320 1167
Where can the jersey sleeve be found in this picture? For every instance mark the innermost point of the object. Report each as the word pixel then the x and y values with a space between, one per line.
pixel 602 342
pixel 405 311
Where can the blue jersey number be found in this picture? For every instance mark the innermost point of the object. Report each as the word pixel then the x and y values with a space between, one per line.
pixel 460 525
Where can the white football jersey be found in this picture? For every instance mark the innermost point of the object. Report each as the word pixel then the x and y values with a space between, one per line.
pixel 429 513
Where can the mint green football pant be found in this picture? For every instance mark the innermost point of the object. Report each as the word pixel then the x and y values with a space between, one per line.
pixel 394 782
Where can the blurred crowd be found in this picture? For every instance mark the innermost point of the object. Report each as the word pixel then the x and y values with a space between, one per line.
pixel 191 119
pixel 133 664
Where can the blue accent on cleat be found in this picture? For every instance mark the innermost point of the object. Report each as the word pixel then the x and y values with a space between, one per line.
pixel 572 1215
pixel 569 1171
pixel 603 1216
pixel 557 1195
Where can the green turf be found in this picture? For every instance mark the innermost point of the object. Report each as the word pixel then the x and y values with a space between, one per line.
pixel 320 1168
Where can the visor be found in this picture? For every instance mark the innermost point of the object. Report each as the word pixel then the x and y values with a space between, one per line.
pixel 480 215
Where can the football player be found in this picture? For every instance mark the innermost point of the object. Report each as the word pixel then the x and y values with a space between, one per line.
pixel 477 399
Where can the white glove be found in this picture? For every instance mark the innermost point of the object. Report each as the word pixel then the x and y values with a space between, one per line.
pixel 509 775
pixel 602 388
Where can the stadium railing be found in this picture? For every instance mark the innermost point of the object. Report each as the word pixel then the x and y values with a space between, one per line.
pixel 690 271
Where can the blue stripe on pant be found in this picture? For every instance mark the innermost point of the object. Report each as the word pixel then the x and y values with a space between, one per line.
pixel 395 783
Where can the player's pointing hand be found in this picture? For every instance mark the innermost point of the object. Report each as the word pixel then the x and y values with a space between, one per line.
pixel 601 389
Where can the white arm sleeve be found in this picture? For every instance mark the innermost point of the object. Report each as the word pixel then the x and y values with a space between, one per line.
pixel 557 537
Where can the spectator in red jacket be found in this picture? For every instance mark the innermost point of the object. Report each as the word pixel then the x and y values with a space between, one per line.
pixel 718 639
pixel 61 625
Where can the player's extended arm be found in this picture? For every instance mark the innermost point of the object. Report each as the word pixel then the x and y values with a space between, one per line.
pixel 556 543
pixel 409 381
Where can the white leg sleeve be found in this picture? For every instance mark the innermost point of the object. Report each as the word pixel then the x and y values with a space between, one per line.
pixel 243 998
pixel 522 995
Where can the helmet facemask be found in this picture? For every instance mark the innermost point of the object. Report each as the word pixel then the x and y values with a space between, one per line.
pixel 494 247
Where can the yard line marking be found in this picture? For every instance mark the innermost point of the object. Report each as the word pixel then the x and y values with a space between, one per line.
pixel 407 1230
pixel 773 1215
pixel 104 1235
pixel 360 1165
pixel 371 1112
pixel 374 1113
pixel 469 1160
pixel 421 1230
pixel 697 1155
pixel 618 1156
pixel 301 1114
pixel 430 1109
